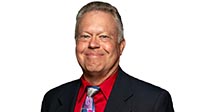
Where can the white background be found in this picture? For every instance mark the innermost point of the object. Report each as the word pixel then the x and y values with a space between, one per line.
pixel 37 48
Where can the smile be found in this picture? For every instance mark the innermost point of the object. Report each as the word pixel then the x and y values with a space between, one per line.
pixel 94 54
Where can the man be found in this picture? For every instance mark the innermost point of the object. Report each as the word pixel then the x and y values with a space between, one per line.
pixel 99 44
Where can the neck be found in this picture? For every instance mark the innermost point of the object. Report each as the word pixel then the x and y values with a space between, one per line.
pixel 96 78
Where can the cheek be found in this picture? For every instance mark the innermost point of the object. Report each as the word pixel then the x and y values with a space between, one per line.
pixel 112 49
pixel 80 47
pixel 107 46
pixel 79 51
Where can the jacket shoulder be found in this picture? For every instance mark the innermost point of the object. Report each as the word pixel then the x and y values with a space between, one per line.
pixel 54 97
pixel 57 91
pixel 141 85
pixel 149 95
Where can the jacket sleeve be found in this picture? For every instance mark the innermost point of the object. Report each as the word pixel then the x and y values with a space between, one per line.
pixel 49 102
pixel 164 103
pixel 43 107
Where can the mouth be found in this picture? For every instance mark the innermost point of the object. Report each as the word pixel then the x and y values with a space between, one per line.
pixel 93 55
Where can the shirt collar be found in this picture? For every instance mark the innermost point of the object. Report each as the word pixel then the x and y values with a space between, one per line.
pixel 83 87
pixel 105 87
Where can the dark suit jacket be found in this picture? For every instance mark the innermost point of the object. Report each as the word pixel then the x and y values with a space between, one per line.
pixel 128 95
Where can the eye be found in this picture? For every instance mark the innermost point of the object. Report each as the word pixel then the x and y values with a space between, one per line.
pixel 84 36
pixel 104 36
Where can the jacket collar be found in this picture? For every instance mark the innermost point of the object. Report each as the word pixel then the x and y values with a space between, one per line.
pixel 120 99
pixel 121 94
pixel 68 97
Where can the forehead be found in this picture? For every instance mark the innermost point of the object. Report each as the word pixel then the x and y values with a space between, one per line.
pixel 97 19
pixel 99 12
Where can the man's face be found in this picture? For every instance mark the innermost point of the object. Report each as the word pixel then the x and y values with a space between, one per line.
pixel 97 47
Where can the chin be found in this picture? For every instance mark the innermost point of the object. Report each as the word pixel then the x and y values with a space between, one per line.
pixel 93 69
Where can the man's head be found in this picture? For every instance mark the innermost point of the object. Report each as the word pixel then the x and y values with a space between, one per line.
pixel 99 39
pixel 104 7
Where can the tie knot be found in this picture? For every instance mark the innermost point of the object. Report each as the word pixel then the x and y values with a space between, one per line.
pixel 92 90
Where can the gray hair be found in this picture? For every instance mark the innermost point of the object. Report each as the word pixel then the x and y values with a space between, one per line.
pixel 105 7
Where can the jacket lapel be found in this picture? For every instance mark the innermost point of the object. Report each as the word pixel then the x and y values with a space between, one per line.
pixel 68 98
pixel 121 96
pixel 120 99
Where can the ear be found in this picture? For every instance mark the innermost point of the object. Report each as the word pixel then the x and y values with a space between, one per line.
pixel 122 46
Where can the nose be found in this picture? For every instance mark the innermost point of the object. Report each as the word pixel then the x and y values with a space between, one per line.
pixel 94 43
